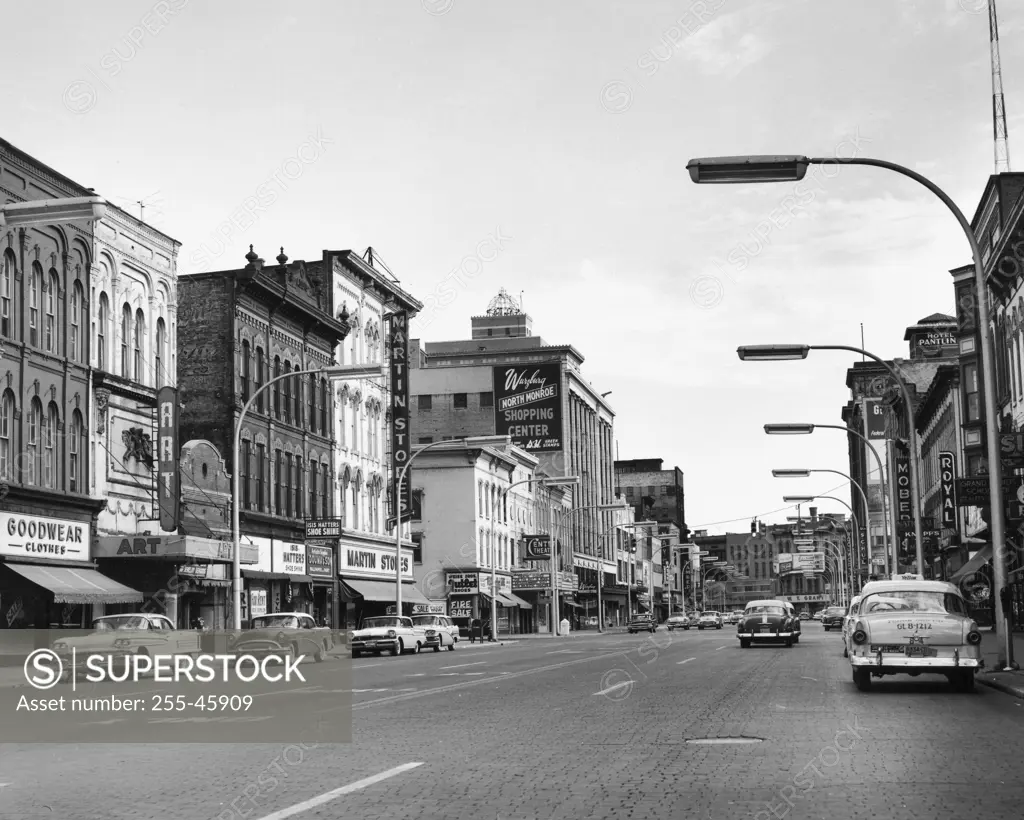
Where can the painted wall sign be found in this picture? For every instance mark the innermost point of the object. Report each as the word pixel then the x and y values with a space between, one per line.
pixel 289 558
pixel 168 494
pixel 528 405
pixel 35 536
pixel 319 561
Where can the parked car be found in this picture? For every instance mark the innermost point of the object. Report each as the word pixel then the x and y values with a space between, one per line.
pixel 851 613
pixel 817 615
pixel 832 618
pixel 804 616
pixel 910 627
pixel 285 633
pixel 678 622
pixel 710 620
pixel 767 621
pixel 117 636
pixel 642 623
pixel 439 632
pixel 390 633
pixel 795 621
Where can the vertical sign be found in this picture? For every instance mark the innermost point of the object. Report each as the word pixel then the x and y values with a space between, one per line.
pixel 400 447
pixel 167 458
pixel 528 405
pixel 947 477
pixel 874 419
pixel 904 500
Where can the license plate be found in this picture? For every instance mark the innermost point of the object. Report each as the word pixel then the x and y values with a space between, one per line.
pixel 764 629
pixel 894 649
pixel 921 652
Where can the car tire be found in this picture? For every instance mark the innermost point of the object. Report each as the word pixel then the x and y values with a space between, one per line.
pixel 744 643
pixel 437 648
pixel 827 629
pixel 789 643
pixel 718 627
pixel 962 681
pixel 321 654
pixel 452 647
pixel 356 653
pixel 862 678
pixel 399 649
pixel 846 652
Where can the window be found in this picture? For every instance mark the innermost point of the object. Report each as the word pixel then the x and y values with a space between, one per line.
pixel 417 548
pixel 461 401
pixel 423 402
pixel 50 329
pixel 6 278
pixel 101 332
pixel 297 385
pixel 487 399
pixel 35 283
pixel 972 400
pixel 325 491
pixel 261 475
pixel 6 426
pixel 76 448
pixel 35 420
pixel 158 357
pixel 299 476
pixel 313 417
pixel 245 371
pixel 314 490
pixel 286 397
pixel 341 422
pixel 277 388
pixel 325 403
pixel 288 485
pixel 245 473
pixel 258 380
pixel 355 506
pixel 50 446
pixel 126 326
pixel 76 322
pixel 279 483
pixel 139 347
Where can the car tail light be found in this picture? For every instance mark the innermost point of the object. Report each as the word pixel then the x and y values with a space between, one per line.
pixel 974 637
pixel 860 634
pixel 392 633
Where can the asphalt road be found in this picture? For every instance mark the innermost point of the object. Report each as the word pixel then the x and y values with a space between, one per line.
pixel 597 726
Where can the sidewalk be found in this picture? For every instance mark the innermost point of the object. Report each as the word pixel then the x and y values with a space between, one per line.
pixel 1012 683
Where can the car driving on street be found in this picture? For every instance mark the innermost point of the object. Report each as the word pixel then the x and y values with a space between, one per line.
pixel 642 623
pixel 678 622
pixel 832 618
pixel 710 620
pixel 767 621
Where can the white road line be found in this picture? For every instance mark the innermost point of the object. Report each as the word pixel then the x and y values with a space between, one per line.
pixel 460 665
pixel 686 661
pixel 288 691
pixel 720 649
pixel 368 665
pixel 417 675
pixel 327 797
pixel 4 784
pixel 614 688
pixel 565 652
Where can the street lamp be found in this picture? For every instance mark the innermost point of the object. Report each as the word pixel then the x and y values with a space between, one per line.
pixel 806 499
pixel 50 211
pixel 786 168
pixel 336 371
pixel 789 352
pixel 807 473
pixel 563 481
pixel 807 429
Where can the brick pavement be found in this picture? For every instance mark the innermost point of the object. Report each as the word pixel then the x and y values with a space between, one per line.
pixel 547 746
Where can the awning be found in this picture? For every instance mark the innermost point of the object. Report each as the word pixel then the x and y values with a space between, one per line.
pixel 517 601
pixel 78 586
pixel 264 576
pixel 382 591
pixel 572 604
pixel 981 557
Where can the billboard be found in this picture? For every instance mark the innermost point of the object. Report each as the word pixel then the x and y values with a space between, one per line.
pixel 809 562
pixel 528 405
pixel 398 342
pixel 168 497
pixel 874 419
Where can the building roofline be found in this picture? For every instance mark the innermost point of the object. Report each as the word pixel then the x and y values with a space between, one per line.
pixel 360 266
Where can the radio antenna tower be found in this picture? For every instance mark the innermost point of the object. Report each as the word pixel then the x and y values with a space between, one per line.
pixel 1002 146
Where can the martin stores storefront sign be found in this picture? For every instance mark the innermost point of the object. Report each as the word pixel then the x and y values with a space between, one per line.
pixel 528 405
pixel 372 562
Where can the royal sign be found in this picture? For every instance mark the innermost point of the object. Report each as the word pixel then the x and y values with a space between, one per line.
pixel 528 405
pixel 168 496
pixel 947 484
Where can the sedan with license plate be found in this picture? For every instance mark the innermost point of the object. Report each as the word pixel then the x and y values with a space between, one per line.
pixel 642 623
pixel 766 622
pixel 678 622
pixel 390 633
pixel 914 627
pixel 832 618
pixel 285 633
pixel 438 633
pixel 709 620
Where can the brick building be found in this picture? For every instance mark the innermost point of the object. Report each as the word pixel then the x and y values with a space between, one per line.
pixel 236 330
pixel 453 396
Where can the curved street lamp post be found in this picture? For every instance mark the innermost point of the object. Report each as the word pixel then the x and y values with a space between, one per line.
pixel 792 168
pixel 806 499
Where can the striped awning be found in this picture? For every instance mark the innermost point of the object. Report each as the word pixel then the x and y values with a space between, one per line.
pixel 77 586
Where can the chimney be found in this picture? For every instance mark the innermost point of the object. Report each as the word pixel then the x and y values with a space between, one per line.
pixel 814 515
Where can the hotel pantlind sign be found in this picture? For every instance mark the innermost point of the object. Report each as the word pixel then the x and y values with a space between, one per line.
pixel 372 562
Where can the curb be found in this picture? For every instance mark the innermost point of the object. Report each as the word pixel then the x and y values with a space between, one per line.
pixel 993 683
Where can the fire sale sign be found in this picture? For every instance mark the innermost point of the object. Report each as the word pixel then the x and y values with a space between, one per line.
pixel 528 405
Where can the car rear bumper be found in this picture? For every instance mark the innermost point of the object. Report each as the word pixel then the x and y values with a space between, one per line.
pixel 764 636
pixel 893 663
pixel 374 645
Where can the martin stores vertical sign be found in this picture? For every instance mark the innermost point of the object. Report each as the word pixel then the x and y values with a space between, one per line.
pixel 167 457
pixel 400 446
pixel 528 405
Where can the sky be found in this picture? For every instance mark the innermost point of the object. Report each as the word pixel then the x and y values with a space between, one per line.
pixel 541 147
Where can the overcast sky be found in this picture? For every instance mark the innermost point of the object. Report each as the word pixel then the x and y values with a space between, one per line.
pixel 541 147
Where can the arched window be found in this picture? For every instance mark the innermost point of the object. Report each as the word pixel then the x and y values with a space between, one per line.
pixel 101 332
pixel 6 283
pixel 325 398
pixel 354 444
pixel 325 491
pixel 245 371
pixel 313 416
pixel 158 358
pixel 126 329
pixel 35 422
pixel 6 426
pixel 355 505
pixel 50 473
pixel 297 386
pixel 50 330
pixel 277 388
pixel 314 489
pixel 140 346
pixel 286 397
pixel 35 283
pixel 258 379
pixel 278 483
pixel 341 428
pixel 76 451
pixel 75 322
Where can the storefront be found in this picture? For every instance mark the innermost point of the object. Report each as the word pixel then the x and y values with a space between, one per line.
pixel 533 587
pixel 368 577
pixel 185 577
pixel 321 567
pixel 288 559
pixel 47 576
pixel 263 590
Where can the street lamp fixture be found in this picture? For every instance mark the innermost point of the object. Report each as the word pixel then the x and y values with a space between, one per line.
pixel 712 170
pixel 798 499
pixel 772 353
pixel 791 473
pixel 789 429
pixel 50 211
